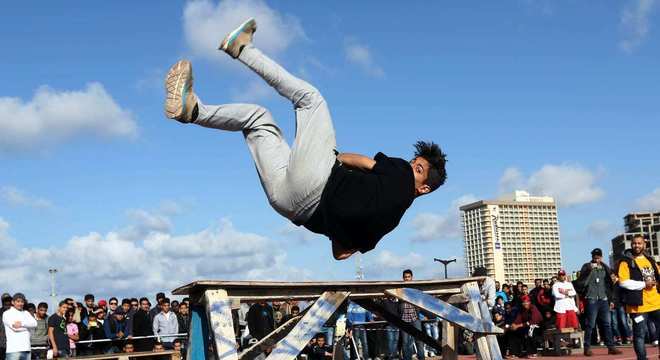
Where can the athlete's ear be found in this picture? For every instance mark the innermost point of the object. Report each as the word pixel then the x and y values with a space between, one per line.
pixel 424 189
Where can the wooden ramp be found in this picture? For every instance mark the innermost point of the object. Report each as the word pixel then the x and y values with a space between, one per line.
pixel 212 335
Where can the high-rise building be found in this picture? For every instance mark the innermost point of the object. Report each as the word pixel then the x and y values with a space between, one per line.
pixel 642 223
pixel 516 238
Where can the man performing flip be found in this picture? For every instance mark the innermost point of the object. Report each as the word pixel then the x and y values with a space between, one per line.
pixel 352 199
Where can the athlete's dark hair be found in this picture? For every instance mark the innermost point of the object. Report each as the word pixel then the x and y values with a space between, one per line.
pixel 407 271
pixel 434 155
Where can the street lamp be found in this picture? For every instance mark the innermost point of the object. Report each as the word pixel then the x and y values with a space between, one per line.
pixel 52 273
pixel 445 263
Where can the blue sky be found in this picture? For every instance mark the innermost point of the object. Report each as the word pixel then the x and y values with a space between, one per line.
pixel 558 98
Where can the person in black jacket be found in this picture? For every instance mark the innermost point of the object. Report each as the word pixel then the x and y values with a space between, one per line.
pixel 595 285
pixel 92 329
pixel 260 320
pixel 142 326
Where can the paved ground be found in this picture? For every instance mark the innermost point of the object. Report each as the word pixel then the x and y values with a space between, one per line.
pixel 600 353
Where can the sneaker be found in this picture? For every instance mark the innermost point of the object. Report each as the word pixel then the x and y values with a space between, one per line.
pixel 614 351
pixel 234 42
pixel 180 100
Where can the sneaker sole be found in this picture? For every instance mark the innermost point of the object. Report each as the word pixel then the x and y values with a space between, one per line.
pixel 176 88
pixel 234 34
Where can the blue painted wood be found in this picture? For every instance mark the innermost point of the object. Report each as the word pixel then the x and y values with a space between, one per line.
pixel 198 343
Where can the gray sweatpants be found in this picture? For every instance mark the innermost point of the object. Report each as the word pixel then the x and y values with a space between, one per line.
pixel 293 178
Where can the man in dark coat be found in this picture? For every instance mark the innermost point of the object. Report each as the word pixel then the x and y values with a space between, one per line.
pixel 142 326
pixel 595 285
pixel 260 320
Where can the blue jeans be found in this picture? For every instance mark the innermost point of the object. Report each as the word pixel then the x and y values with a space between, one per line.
pixel 360 336
pixel 408 343
pixel 431 328
pixel 598 309
pixel 620 322
pixel 640 329
pixel 392 341
pixel 21 355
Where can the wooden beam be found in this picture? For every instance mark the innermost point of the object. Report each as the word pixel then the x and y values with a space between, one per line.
pixel 310 324
pixel 395 320
pixel 487 347
pixel 449 341
pixel 198 334
pixel 271 339
pixel 218 307
pixel 444 310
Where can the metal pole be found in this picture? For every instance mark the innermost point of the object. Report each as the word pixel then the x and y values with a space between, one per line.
pixel 52 273
pixel 444 262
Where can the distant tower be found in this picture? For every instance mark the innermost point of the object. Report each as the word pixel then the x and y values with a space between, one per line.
pixel 514 238
pixel 359 271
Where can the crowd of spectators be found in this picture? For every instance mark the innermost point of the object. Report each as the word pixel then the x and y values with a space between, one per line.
pixel 91 327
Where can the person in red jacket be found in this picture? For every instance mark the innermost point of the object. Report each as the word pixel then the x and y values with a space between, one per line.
pixel 523 339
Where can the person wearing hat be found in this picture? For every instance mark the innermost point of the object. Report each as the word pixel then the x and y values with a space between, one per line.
pixel 17 323
pixel 116 329
pixel 596 287
pixel 638 276
pixel 565 305
pixel 525 329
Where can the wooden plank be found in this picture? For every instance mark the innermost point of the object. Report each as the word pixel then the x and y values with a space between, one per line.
pixel 471 289
pixel 493 345
pixel 218 307
pixel 277 288
pixel 378 309
pixel 449 341
pixel 198 334
pixel 444 310
pixel 271 339
pixel 310 324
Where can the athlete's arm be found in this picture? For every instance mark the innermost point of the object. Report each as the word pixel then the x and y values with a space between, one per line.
pixel 357 161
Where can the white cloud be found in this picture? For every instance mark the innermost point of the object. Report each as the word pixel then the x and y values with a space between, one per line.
pixel 360 55
pixel 205 23
pixel 53 116
pixel 635 23
pixel 6 241
pixel 113 264
pixel 300 234
pixel 386 263
pixel 432 226
pixel 16 197
pixel 569 184
pixel 650 202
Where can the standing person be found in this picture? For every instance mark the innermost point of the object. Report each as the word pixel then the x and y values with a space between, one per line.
pixel 92 329
pixel 358 316
pixel 17 324
pixel 57 335
pixel 6 304
pixel 113 304
pixel 499 291
pixel 156 309
pixel 129 312
pixel 73 332
pixel 620 327
pixel 40 335
pixel 352 199
pixel 166 324
pixel 260 320
pixel 486 286
pixel 116 329
pixel 595 285
pixel 184 318
pixel 638 278
pixel 89 306
pixel 538 287
pixel 409 315
pixel 143 326
pixel 565 305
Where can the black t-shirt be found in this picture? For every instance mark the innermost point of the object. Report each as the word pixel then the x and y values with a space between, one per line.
pixel 58 324
pixel 358 208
